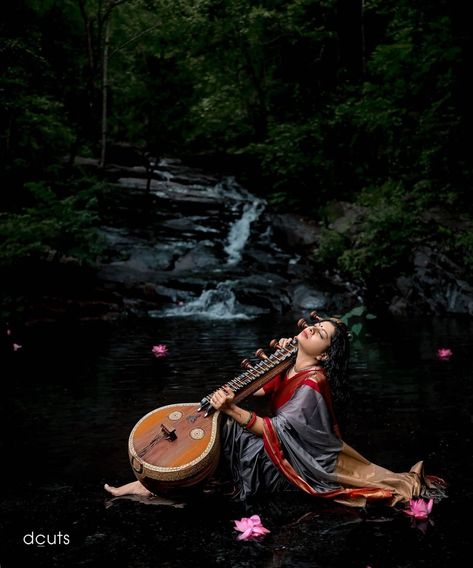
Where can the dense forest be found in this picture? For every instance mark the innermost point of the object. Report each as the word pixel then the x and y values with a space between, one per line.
pixel 309 102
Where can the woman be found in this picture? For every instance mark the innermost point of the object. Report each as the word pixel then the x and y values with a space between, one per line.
pixel 300 445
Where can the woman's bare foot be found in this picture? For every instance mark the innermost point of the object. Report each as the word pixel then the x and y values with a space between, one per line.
pixel 133 488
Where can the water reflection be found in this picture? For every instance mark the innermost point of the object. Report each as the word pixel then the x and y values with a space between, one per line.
pixel 72 396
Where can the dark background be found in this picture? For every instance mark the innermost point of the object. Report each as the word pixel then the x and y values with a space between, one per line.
pixel 308 103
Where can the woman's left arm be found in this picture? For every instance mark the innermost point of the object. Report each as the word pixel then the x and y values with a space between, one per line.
pixel 222 400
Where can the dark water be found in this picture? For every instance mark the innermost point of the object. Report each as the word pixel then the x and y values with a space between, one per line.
pixel 72 395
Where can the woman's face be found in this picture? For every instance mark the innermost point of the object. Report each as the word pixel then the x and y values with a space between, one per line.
pixel 316 339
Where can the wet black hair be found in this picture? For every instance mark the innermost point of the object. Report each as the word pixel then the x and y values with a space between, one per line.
pixel 336 363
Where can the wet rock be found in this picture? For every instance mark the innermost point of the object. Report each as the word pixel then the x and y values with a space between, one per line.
pixel 305 297
pixel 295 230
pixel 201 257
pixel 435 286
pixel 346 218
pixel 265 291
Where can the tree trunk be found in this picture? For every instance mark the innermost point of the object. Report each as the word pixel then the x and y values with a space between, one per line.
pixel 89 42
pixel 103 154
pixel 363 40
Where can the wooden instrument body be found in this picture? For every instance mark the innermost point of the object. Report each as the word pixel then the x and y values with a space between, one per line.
pixel 178 446
pixel 163 462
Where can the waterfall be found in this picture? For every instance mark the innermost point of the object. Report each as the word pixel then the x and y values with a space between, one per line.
pixel 219 299
pixel 216 303
pixel 240 231
pixel 206 246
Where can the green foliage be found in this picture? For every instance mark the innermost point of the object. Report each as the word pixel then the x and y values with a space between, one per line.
pixel 55 228
pixel 375 245
pixel 464 245
pixel 383 244
pixel 36 135
pixel 405 118
pixel 355 319
pixel 331 247
pixel 294 157
pixel 282 83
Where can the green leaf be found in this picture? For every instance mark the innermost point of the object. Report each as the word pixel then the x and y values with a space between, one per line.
pixel 356 329
pixel 358 311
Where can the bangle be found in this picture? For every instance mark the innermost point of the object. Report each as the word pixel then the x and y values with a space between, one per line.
pixel 251 420
pixel 250 417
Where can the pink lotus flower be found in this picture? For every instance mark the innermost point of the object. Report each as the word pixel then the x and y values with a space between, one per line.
pixel 444 354
pixel 250 527
pixel 159 350
pixel 419 509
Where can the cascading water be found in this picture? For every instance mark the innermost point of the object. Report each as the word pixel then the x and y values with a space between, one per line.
pixel 217 303
pixel 203 246
pixel 240 231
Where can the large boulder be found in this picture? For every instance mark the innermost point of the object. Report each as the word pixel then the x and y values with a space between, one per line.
pixel 436 285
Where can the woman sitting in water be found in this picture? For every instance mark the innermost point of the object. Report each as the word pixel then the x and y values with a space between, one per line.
pixel 301 445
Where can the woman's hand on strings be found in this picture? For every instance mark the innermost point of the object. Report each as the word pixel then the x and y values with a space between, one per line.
pixel 285 341
pixel 222 398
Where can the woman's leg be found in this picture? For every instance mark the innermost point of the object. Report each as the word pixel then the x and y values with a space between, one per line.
pixel 133 488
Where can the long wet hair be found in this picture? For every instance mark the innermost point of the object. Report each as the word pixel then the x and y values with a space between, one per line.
pixel 336 363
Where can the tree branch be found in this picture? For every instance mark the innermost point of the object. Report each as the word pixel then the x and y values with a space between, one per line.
pixel 112 5
pixel 133 39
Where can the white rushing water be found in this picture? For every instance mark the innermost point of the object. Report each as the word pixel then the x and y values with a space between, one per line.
pixel 241 229
pixel 218 303
pixel 218 300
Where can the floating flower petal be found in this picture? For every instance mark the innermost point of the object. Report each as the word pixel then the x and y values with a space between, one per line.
pixel 444 354
pixel 419 508
pixel 160 350
pixel 250 527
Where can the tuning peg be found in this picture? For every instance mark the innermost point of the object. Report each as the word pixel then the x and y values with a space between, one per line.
pixel 274 344
pixel 302 324
pixel 314 315
pixel 261 354
pixel 245 364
